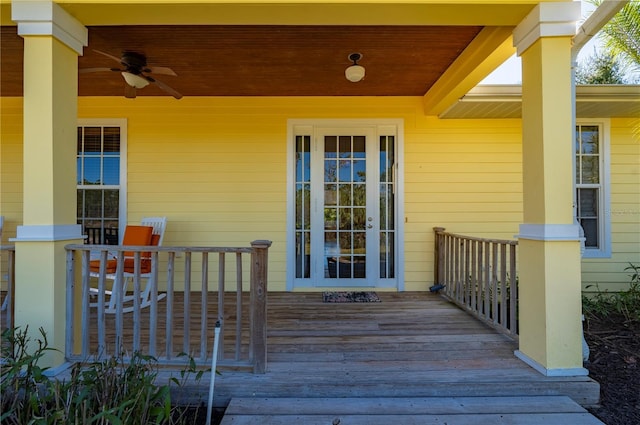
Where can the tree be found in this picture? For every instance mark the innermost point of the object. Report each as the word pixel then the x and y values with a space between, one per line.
pixel 621 35
pixel 601 68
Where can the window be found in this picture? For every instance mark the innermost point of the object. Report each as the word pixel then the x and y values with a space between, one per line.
pixel 100 189
pixel 592 166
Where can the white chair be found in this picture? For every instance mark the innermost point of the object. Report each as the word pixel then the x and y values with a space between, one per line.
pixel 158 225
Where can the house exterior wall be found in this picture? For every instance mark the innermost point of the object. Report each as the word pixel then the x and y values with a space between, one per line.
pixel 11 173
pixel 608 273
pixel 216 167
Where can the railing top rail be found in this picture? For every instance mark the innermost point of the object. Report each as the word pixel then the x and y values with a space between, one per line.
pixel 148 248
pixel 474 238
pixel 7 247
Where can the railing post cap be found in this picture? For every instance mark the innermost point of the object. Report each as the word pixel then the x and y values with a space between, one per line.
pixel 439 229
pixel 261 244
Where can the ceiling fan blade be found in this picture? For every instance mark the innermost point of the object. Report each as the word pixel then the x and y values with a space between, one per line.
pixel 164 87
pixel 88 70
pixel 162 70
pixel 109 56
pixel 129 91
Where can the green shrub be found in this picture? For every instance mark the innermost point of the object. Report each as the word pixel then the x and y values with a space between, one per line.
pixel 106 392
pixel 604 304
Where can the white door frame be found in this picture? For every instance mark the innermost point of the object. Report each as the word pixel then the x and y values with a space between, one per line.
pixel 380 127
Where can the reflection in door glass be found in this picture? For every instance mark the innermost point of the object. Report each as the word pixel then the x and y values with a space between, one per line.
pixel 345 206
pixel 387 207
pixel 303 206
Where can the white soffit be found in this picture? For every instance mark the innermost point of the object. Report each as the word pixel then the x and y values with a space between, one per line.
pixel 505 101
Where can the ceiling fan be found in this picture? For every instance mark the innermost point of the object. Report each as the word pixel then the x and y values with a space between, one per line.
pixel 136 73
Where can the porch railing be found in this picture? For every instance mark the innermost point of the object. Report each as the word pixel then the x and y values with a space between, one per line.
pixel 8 275
pixel 479 275
pixel 185 321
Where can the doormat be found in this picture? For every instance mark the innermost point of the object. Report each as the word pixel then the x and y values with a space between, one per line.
pixel 350 297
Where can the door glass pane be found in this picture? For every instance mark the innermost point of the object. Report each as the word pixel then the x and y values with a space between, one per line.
pixel 303 206
pixel 359 171
pixel 303 159
pixel 345 250
pixel 331 218
pixel 387 206
pixel 359 146
pixel 345 194
pixel 345 171
pixel 331 147
pixel 330 171
pixel 359 195
pixel 345 146
pixel 359 218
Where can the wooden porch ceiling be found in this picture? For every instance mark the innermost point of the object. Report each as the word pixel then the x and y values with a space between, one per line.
pixel 262 60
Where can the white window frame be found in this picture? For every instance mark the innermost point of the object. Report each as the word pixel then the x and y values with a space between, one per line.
pixel 604 201
pixel 122 123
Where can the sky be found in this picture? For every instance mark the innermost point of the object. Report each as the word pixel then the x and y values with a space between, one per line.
pixel 510 72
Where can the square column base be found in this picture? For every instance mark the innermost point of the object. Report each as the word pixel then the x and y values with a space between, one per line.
pixel 578 371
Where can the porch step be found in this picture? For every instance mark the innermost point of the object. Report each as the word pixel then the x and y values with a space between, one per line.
pixel 548 410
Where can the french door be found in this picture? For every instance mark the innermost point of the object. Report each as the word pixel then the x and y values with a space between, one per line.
pixel 345 208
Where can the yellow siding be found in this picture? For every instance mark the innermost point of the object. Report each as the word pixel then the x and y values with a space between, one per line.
pixel 461 175
pixel 217 168
pixel 10 165
pixel 608 273
pixel 10 173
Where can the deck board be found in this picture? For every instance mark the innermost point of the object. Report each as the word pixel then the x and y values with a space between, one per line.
pixel 408 345
pixel 471 419
pixel 554 410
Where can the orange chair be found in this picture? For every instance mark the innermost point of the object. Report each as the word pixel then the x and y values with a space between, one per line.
pixel 150 235
pixel 133 236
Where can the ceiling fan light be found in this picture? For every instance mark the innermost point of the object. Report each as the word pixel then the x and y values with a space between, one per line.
pixel 135 80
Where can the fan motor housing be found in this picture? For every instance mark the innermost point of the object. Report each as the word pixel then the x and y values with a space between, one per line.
pixel 134 61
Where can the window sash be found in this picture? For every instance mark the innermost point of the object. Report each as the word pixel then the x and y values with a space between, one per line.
pixel 99 181
pixel 591 197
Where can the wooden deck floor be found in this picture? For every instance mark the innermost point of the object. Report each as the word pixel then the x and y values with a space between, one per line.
pixel 408 345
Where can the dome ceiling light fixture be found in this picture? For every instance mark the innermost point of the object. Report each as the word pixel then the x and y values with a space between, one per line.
pixel 355 72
